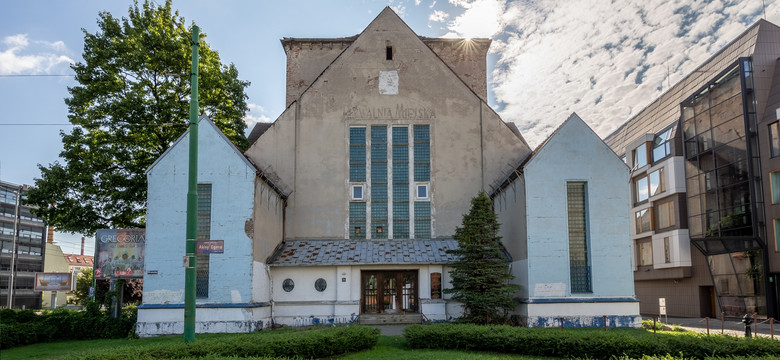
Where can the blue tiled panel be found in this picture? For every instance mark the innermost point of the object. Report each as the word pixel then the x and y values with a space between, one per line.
pixel 357 220
pixel 422 220
pixel 379 200
pixel 357 154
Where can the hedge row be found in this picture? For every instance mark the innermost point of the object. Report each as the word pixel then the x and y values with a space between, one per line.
pixel 584 343
pixel 24 327
pixel 307 344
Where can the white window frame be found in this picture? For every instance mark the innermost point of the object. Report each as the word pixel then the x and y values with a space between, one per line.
pixel 352 188
pixel 417 186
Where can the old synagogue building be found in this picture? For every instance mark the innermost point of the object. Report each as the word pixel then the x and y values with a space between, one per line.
pixel 343 209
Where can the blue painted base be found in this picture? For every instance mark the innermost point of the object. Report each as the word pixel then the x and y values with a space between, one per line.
pixel 620 321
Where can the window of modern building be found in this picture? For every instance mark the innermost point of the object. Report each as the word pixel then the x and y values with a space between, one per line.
pixel 579 265
pixel 641 190
pixel 667 251
pixel 204 233
pixel 640 156
pixel 774 138
pixel 644 221
pixel 644 252
pixel 774 182
pixel 662 145
pixel 657 182
pixel 777 234
pixel 664 213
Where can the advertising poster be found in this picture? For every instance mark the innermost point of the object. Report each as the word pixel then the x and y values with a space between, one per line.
pixel 120 253
pixel 53 281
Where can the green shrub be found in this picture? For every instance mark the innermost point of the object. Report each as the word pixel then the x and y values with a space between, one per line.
pixel 307 344
pixel 26 327
pixel 585 343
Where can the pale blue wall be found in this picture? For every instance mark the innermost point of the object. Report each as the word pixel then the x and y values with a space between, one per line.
pixel 232 179
pixel 575 153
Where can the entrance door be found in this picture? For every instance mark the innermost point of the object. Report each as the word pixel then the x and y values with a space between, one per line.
pixel 389 292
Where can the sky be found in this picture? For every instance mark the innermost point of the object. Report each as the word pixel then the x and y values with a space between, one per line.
pixel 604 60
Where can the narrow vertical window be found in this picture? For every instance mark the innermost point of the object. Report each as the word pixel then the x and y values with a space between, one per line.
pixel 357 154
pixel 777 235
pixel 357 176
pixel 204 233
pixel 422 178
pixel 774 183
pixel 774 138
pixel 644 252
pixel 379 202
pixel 400 182
pixel 389 53
pixel 578 236
pixel 667 251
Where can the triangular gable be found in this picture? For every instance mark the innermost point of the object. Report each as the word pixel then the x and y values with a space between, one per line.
pixel 201 121
pixel 573 120
pixel 388 12
pixel 585 130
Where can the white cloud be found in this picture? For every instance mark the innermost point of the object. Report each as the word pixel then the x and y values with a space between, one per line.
pixel 18 58
pixel 255 115
pixel 604 61
pixel 417 2
pixel 438 16
pixel 480 19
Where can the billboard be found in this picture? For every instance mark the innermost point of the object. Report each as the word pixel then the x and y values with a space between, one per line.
pixel 120 253
pixel 53 281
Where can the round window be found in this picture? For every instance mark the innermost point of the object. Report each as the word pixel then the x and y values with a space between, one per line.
pixel 320 285
pixel 288 285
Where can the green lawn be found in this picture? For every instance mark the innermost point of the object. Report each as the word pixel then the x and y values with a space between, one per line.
pixel 389 347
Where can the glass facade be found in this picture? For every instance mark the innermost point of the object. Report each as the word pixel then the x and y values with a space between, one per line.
pixel 397 166
pixel 725 204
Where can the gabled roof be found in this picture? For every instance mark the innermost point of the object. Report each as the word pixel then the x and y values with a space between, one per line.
pixel 257 131
pixel 521 167
pixel 204 120
pixel 78 260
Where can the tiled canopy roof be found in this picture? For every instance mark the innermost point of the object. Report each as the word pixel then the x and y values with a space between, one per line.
pixel 359 252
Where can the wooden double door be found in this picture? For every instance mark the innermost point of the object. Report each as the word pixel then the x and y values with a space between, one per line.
pixel 389 292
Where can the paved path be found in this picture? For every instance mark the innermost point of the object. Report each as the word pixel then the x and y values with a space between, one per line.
pixel 733 327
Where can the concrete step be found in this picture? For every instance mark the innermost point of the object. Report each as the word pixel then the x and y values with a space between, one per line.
pixel 387 319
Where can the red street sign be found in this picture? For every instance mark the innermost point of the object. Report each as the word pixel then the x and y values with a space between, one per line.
pixel 210 247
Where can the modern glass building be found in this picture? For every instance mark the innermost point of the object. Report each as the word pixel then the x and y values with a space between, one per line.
pixel 703 185
pixel 22 244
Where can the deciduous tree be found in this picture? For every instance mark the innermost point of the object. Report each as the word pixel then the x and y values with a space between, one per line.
pixel 480 276
pixel 131 104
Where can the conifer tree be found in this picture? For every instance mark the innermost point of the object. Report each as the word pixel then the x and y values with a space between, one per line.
pixel 480 276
